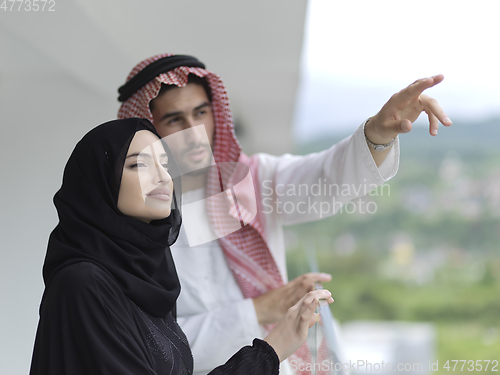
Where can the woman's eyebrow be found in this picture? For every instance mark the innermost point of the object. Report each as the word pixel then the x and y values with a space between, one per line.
pixel 143 154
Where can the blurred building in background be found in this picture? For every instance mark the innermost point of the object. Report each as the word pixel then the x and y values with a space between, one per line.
pixel 390 347
pixel 89 47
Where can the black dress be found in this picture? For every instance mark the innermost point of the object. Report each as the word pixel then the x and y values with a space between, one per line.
pixel 88 326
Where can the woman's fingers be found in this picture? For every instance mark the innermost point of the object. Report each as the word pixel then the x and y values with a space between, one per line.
pixel 291 330
pixel 306 313
pixel 314 319
pixel 308 306
pixel 271 306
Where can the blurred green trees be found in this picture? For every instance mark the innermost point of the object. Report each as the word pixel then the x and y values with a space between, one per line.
pixel 430 252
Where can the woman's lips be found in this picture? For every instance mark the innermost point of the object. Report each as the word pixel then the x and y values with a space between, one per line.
pixel 161 194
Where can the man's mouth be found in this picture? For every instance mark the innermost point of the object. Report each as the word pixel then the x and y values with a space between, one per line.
pixel 197 155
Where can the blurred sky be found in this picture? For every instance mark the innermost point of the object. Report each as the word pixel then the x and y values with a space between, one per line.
pixel 358 53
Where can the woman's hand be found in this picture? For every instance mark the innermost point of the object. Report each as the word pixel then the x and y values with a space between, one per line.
pixel 291 330
pixel 273 305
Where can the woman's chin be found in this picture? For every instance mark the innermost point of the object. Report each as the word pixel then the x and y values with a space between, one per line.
pixel 159 204
pixel 158 213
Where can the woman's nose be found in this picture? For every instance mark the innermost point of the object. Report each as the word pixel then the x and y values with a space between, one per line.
pixel 162 175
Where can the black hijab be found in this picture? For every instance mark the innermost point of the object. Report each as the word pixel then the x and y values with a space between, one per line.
pixel 92 229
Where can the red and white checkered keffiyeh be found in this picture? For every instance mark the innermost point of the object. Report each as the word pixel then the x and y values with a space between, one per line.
pixel 246 251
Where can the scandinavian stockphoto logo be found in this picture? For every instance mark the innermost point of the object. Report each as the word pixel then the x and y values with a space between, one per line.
pixel 320 198
pixel 208 218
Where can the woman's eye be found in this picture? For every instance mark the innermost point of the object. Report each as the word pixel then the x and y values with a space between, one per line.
pixel 138 165
pixel 165 166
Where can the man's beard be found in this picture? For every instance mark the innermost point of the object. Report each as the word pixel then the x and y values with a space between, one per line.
pixel 197 172
pixel 191 168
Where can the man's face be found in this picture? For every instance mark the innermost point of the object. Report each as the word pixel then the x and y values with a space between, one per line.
pixel 182 108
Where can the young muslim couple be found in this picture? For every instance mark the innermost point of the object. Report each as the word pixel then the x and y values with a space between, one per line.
pixel 113 302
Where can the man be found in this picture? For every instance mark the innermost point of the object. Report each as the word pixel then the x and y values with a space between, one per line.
pixel 231 261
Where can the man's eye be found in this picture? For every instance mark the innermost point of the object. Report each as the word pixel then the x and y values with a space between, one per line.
pixel 201 112
pixel 174 121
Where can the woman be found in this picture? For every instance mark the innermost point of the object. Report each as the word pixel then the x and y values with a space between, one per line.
pixel 110 284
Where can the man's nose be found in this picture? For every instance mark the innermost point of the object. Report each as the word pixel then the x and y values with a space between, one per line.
pixel 194 133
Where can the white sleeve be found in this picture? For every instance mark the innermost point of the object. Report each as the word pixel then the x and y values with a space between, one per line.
pixel 298 189
pixel 216 335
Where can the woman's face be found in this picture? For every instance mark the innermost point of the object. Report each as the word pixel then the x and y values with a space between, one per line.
pixel 146 189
